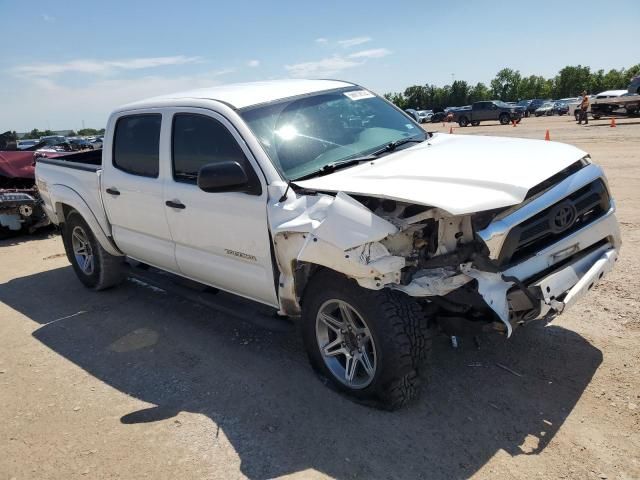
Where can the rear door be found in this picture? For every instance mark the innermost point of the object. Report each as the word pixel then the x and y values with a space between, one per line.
pixel 132 189
pixel 481 111
pixel 221 239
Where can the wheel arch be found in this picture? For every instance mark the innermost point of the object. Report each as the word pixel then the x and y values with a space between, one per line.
pixel 67 201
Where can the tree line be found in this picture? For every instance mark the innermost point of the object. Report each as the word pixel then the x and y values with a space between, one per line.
pixel 510 86
pixel 84 132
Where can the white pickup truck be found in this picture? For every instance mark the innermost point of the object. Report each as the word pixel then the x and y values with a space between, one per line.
pixel 326 202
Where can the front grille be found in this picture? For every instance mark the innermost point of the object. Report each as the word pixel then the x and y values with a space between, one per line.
pixel 555 222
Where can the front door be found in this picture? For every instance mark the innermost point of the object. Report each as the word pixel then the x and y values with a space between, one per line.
pixel 221 239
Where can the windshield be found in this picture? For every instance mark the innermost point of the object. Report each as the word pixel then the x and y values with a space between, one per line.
pixel 502 104
pixel 303 135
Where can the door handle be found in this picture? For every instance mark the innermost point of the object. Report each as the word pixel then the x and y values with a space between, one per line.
pixel 175 204
pixel 113 191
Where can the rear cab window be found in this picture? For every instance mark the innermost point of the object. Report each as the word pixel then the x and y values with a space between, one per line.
pixel 136 145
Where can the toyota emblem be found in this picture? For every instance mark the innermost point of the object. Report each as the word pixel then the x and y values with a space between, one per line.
pixel 562 217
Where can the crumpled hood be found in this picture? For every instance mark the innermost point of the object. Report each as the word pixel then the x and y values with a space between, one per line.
pixel 458 173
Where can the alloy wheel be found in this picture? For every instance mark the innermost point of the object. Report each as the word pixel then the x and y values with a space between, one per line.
pixel 82 250
pixel 346 344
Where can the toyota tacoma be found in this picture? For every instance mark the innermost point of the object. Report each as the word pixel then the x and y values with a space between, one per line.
pixel 326 202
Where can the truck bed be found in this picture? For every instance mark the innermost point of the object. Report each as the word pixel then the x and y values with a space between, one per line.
pixel 74 175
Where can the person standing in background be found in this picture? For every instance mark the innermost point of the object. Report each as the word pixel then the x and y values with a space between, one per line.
pixel 584 106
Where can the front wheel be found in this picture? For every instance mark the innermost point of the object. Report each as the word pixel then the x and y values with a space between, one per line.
pixel 475 123
pixel 94 266
pixel 504 119
pixel 463 122
pixel 368 344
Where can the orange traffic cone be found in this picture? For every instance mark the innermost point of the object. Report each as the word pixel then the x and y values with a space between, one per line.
pixel 613 123
pixel 546 135
pixel 450 130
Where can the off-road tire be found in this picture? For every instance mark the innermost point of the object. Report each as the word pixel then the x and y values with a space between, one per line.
pixel 108 271
pixel 398 326
pixel 504 119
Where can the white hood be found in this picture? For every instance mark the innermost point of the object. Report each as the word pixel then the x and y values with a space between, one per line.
pixel 458 173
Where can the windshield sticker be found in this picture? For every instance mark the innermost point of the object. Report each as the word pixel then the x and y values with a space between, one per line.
pixel 359 95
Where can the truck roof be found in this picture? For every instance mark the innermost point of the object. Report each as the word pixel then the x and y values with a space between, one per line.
pixel 241 95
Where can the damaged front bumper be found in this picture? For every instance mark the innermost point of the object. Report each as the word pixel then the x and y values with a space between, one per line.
pixel 553 279
pixel 582 259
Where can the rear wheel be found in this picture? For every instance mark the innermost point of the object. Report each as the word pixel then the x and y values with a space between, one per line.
pixel 94 266
pixel 504 119
pixel 368 344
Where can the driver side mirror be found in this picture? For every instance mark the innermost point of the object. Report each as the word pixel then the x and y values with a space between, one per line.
pixel 227 176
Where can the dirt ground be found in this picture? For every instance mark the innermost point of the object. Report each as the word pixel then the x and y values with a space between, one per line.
pixel 157 380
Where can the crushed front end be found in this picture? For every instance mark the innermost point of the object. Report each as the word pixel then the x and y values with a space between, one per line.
pixel 20 203
pixel 473 273
pixel 495 270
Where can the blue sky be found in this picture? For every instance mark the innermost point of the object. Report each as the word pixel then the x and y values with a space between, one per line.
pixel 68 62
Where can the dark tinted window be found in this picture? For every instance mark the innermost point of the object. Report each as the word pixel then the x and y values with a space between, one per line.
pixel 136 144
pixel 199 140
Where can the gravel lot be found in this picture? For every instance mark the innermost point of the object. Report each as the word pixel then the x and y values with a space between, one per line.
pixel 158 380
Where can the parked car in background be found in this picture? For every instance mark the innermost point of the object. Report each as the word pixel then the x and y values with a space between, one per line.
pixel 560 107
pixel 420 116
pixel 24 144
pixel 534 104
pixel 97 143
pixel 78 144
pixel 413 113
pixel 52 140
pixel 524 104
pixel 424 116
pixel 545 109
pixel 487 111
pixel 440 116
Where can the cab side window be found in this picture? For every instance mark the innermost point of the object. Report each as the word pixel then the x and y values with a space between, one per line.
pixel 199 140
pixel 136 146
